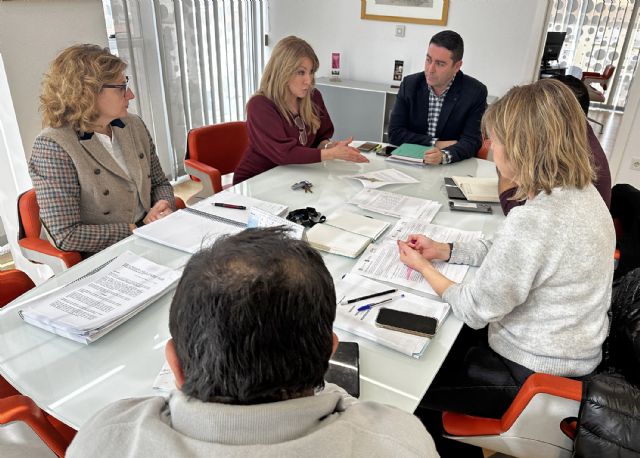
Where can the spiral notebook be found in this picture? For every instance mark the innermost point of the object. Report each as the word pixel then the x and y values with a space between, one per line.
pixel 189 229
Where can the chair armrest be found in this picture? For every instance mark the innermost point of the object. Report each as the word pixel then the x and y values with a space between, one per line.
pixel 467 425
pixel 593 75
pixel 22 408
pixel 45 247
pixel 180 203
pixel 210 176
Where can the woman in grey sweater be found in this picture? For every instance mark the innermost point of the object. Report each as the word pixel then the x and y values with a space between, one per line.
pixel 540 296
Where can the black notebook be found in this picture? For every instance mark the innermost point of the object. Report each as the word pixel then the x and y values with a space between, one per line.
pixel 344 368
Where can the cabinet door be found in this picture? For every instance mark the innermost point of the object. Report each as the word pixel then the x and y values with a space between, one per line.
pixel 356 113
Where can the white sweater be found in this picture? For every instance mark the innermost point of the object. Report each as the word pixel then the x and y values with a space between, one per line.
pixel 331 423
pixel 544 283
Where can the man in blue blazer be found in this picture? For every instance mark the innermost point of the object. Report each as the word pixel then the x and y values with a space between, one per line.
pixel 440 107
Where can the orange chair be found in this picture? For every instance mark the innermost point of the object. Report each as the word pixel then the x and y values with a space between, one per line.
pixel 13 283
pixel 483 152
pixel 595 95
pixel 34 246
pixel 22 408
pixel 539 422
pixel 213 151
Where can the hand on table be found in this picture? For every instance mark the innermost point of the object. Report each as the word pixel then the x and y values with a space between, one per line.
pixel 433 156
pixel 158 211
pixel 342 150
pixel 429 248
pixel 411 257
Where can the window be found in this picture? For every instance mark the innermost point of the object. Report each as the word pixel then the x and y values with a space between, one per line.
pixel 192 63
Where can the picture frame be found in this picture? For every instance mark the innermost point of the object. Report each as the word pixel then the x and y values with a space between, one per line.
pixel 433 12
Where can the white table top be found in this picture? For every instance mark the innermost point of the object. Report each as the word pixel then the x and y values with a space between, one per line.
pixel 72 381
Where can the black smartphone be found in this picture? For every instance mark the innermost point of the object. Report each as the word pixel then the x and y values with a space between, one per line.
pixel 386 151
pixel 419 325
pixel 344 368
pixel 470 207
pixel 453 191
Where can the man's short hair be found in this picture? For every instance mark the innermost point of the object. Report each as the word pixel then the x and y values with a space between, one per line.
pixel 450 40
pixel 579 90
pixel 252 319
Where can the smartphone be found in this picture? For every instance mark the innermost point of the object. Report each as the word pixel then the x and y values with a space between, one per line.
pixel 419 325
pixel 344 368
pixel 453 191
pixel 386 151
pixel 470 207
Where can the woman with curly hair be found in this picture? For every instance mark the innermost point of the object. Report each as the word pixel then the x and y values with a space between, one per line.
pixel 287 121
pixel 94 166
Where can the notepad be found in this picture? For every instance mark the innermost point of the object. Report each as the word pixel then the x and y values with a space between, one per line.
pixel 241 216
pixel 88 308
pixel 409 152
pixel 189 229
pixel 478 189
pixel 345 233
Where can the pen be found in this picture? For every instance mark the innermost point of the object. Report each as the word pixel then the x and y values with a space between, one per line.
pixel 377 148
pixel 369 296
pixel 237 207
pixel 373 304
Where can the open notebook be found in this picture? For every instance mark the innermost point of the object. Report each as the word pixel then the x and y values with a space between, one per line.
pixel 475 189
pixel 345 233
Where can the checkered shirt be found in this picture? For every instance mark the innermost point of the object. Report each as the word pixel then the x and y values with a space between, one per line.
pixel 433 112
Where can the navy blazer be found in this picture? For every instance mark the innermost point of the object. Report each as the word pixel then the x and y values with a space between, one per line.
pixel 459 118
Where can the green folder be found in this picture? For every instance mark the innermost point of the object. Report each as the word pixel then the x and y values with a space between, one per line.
pixel 409 150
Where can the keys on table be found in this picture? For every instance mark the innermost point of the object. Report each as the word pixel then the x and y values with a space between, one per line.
pixel 306 185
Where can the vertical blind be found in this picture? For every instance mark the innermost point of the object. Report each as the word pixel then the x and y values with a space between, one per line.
pixel 192 63
pixel 599 33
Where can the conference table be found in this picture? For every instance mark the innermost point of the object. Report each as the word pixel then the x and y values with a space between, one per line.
pixel 73 381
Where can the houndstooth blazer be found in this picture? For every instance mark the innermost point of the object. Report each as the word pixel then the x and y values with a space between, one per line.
pixel 86 200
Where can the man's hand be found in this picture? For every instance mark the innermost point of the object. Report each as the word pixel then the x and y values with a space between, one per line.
pixel 433 156
pixel 158 211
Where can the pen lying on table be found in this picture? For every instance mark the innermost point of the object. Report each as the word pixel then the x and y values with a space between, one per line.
pixel 373 304
pixel 237 207
pixel 369 296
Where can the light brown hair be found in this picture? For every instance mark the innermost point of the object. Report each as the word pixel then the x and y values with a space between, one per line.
pixel 71 86
pixel 285 60
pixel 543 130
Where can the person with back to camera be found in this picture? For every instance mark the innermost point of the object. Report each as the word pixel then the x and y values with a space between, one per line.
pixel 251 342
pixel 287 121
pixel 94 166
pixel 440 107
pixel 539 300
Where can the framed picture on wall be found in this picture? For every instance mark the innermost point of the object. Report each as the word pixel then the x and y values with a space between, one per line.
pixel 414 11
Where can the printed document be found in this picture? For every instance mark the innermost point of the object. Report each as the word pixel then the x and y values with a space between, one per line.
pixel 396 205
pixel 261 218
pixel 363 323
pixel 379 178
pixel 239 215
pixel 91 306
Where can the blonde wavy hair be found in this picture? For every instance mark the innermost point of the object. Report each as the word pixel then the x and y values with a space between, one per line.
pixel 544 133
pixel 285 59
pixel 71 86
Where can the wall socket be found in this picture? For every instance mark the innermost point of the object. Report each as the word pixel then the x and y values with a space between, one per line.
pixel 400 31
pixel 635 163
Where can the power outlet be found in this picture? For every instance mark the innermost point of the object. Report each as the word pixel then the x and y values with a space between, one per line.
pixel 635 163
pixel 400 31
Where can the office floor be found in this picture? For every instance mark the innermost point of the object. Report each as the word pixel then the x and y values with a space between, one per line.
pixel 611 121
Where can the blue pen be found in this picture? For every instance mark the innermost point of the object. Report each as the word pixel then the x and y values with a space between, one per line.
pixel 373 304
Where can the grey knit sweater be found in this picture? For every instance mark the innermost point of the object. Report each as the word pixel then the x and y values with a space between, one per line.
pixel 544 282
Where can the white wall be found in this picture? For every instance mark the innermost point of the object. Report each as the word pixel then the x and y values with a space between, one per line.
pixel 501 38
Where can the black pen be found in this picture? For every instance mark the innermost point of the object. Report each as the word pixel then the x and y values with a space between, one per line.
pixel 237 207
pixel 369 296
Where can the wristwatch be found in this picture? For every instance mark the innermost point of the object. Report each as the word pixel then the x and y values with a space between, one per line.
pixel 446 156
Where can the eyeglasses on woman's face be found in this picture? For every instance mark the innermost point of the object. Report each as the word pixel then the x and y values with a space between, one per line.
pixel 123 87
pixel 302 136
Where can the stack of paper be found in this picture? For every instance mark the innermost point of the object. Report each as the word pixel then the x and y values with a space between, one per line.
pixel 345 233
pixel 409 153
pixel 396 205
pixel 382 261
pixel 91 306
pixel 363 323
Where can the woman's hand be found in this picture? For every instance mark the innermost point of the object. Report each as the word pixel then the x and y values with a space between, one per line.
pixel 412 258
pixel 342 150
pixel 428 248
pixel 158 211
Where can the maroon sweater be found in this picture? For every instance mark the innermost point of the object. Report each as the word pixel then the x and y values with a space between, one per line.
pixel 602 181
pixel 273 141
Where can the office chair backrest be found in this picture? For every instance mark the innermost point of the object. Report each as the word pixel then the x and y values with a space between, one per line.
pixel 218 145
pixel 606 75
pixel 14 283
pixel 29 213
pixel 483 152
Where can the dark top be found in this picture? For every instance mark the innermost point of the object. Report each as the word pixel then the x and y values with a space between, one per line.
pixel 273 141
pixel 459 118
pixel 602 181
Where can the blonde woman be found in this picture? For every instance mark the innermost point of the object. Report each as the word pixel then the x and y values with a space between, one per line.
pixel 94 166
pixel 543 287
pixel 287 121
